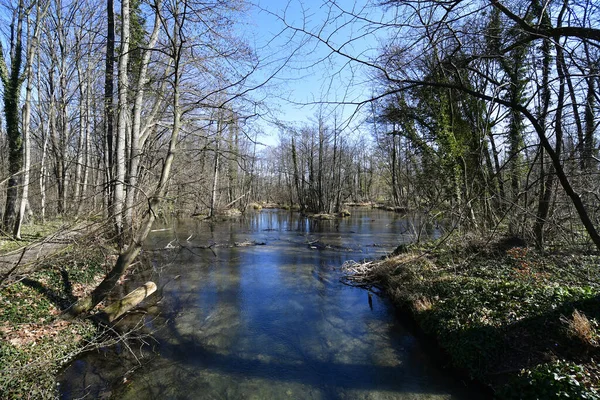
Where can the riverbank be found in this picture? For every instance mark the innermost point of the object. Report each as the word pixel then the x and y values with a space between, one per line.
pixel 35 342
pixel 524 323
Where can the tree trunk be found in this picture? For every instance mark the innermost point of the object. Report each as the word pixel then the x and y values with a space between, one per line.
pixel 86 139
pixel 44 132
pixel 232 170
pixel 12 87
pixel 394 166
pixel 547 182
pixel 127 256
pixel 120 307
pixel 297 177
pixel 122 112
pixel 590 120
pixel 137 139
pixel 109 106
pixel 31 49
pixel 213 195
pixel 77 198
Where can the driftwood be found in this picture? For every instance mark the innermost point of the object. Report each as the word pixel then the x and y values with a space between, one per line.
pixel 316 244
pixel 363 275
pixel 322 217
pixel 118 308
pixel 246 243
pixel 360 273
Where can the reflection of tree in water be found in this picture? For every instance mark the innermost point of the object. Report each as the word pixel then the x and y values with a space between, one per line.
pixel 273 322
pixel 220 375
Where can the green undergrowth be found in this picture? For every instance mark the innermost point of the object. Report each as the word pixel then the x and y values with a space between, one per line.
pixel 522 322
pixel 30 233
pixel 35 342
pixel 28 370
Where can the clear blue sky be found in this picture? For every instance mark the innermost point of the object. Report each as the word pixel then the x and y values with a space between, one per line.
pixel 312 74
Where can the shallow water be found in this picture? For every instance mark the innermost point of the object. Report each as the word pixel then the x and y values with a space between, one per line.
pixel 268 321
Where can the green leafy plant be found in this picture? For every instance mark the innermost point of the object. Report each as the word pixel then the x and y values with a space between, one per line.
pixel 557 380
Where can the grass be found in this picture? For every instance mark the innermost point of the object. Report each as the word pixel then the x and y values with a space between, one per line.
pixel 30 233
pixel 581 327
pixel 35 341
pixel 522 322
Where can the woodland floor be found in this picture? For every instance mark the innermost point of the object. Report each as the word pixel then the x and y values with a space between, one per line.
pixel 40 277
pixel 524 323
pixel 39 242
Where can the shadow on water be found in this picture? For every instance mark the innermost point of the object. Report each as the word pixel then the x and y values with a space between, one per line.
pixel 398 378
pixel 268 321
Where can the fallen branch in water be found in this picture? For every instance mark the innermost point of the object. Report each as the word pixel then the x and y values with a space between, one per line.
pixel 359 272
pixel 363 274
pixel 246 243
pixel 374 275
pixel 118 308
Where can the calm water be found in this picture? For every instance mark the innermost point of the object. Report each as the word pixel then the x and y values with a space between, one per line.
pixel 270 321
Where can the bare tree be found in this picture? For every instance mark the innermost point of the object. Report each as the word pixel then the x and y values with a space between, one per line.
pixel 444 48
pixel 32 45
pixel 12 80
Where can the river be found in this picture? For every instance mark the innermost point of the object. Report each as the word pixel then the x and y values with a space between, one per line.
pixel 266 321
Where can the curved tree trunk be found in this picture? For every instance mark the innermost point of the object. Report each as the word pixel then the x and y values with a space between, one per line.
pixel 137 140
pixel 127 256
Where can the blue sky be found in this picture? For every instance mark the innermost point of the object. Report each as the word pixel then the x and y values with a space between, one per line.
pixel 312 74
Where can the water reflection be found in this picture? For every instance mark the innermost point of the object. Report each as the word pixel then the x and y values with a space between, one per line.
pixel 269 321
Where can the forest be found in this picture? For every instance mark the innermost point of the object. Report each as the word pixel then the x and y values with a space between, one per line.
pixel 487 117
pixel 480 116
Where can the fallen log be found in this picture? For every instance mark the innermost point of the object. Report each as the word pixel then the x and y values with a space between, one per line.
pixel 118 308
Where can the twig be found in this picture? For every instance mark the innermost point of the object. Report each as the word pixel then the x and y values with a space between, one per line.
pixel 13 268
